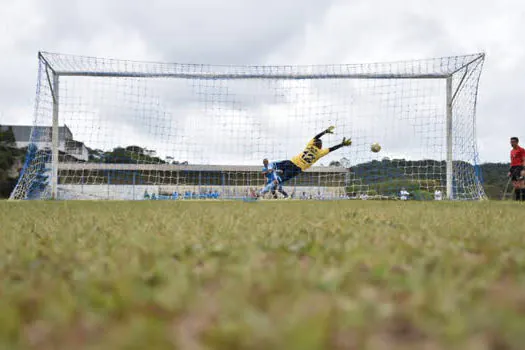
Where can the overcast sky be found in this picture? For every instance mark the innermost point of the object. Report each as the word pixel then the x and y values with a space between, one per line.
pixel 276 32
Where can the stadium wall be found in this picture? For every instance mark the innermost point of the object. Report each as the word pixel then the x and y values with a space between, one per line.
pixel 137 181
pixel 141 192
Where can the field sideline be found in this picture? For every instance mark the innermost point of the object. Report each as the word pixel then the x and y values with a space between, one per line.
pixel 266 275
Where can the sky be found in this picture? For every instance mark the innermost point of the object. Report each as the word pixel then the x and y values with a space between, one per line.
pixel 275 32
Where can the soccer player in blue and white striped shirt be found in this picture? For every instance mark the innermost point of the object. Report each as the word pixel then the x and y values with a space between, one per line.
pixel 270 172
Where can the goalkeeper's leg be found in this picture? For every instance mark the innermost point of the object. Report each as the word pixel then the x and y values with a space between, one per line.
pixel 278 184
pixel 282 191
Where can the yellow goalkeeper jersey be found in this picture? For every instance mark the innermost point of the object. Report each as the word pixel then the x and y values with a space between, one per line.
pixel 309 156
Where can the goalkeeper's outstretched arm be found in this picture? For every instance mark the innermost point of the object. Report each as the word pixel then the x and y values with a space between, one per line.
pixel 330 130
pixel 345 142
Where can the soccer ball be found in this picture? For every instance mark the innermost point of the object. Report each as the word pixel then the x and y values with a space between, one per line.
pixel 375 147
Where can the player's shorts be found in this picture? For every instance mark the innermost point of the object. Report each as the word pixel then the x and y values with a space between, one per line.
pixel 290 170
pixel 515 172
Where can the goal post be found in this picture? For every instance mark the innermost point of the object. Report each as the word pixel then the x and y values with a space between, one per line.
pixel 449 142
pixel 120 129
pixel 55 138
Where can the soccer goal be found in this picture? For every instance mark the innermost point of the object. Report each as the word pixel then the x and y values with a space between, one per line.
pixel 120 129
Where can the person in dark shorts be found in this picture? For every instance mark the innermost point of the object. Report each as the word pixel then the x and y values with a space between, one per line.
pixel 520 187
pixel 517 165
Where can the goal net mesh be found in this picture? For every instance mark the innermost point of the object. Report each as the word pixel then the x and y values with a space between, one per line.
pixel 145 130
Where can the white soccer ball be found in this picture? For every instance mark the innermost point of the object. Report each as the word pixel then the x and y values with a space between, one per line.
pixel 375 147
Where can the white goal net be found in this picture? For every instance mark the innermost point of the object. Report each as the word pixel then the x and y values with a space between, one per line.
pixel 118 129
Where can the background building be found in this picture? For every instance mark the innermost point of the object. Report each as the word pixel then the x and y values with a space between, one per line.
pixel 43 136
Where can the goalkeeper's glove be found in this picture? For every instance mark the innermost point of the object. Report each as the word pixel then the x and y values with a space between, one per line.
pixel 330 130
pixel 346 142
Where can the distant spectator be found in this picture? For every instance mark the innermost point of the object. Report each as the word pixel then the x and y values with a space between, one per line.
pixel 438 195
pixel 403 195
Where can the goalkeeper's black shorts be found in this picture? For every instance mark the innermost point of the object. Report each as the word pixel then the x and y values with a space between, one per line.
pixel 290 170
pixel 515 172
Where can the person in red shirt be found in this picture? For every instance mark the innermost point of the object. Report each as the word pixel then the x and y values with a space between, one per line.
pixel 517 165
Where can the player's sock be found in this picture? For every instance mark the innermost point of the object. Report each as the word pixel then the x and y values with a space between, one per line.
pixel 517 194
pixel 522 190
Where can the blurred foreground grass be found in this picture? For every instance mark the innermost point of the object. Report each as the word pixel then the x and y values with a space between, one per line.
pixel 270 275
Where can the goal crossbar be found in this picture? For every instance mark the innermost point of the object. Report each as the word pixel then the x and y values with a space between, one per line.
pixel 143 69
pixel 215 76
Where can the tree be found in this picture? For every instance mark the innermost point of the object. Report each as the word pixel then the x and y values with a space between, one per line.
pixel 136 149
pixel 118 155
pixel 9 155
pixel 495 179
pixel 150 152
pixel 8 152
pixel 345 163
pixel 95 155
pixel 7 137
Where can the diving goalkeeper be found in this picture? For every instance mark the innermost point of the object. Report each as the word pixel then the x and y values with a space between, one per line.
pixel 288 169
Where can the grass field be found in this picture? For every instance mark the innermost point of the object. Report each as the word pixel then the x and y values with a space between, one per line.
pixel 270 275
